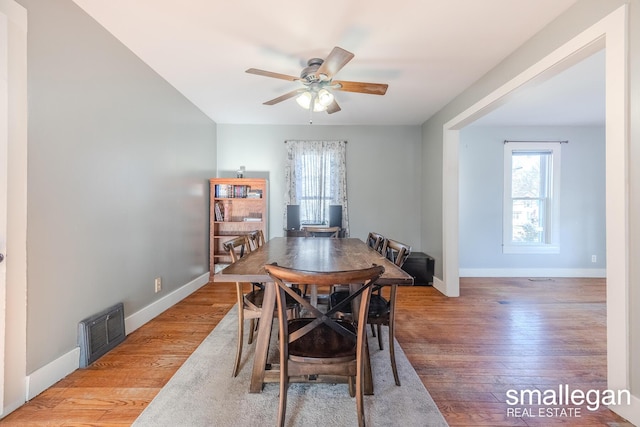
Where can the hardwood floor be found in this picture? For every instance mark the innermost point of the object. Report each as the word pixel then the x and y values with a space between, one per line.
pixel 500 334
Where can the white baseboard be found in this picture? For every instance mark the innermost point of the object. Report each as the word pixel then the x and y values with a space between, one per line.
pixel 135 320
pixel 48 375
pixel 629 412
pixel 533 272
pixel 51 373
pixel 439 285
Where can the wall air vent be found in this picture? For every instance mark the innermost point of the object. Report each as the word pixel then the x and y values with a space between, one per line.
pixel 100 333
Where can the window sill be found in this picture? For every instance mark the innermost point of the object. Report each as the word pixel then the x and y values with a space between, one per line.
pixel 530 249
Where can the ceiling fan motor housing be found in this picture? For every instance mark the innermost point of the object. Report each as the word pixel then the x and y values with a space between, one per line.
pixel 308 74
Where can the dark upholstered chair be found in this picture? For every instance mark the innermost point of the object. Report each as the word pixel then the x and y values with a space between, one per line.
pixel 319 344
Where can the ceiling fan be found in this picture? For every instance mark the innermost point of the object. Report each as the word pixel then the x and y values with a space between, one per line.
pixel 317 78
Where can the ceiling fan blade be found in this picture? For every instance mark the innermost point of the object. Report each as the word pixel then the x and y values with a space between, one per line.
pixel 337 59
pixel 283 97
pixel 333 107
pixel 272 74
pixel 361 87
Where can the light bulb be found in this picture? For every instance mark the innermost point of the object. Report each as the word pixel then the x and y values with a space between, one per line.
pixel 317 106
pixel 304 100
pixel 325 98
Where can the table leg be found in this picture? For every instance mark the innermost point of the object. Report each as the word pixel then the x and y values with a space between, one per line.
pixel 313 299
pixel 262 341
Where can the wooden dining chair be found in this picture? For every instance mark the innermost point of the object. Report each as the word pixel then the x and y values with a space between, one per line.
pixel 375 241
pixel 313 231
pixel 381 310
pixel 256 239
pixel 249 304
pixel 319 344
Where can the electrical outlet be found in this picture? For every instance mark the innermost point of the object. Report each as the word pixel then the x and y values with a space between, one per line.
pixel 158 284
pixel 593 258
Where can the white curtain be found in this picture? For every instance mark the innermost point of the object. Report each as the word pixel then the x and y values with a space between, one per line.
pixel 316 177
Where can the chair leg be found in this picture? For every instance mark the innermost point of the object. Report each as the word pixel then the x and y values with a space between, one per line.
pixel 360 400
pixel 373 330
pixel 284 382
pixel 282 407
pixel 380 337
pixel 352 387
pixel 392 353
pixel 236 365
pixel 392 333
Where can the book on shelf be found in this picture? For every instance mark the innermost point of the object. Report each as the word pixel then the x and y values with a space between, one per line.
pixel 219 211
pixel 252 219
pixel 230 191
pixel 254 194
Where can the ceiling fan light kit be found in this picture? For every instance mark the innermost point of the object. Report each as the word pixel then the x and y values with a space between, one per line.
pixel 321 99
pixel 317 78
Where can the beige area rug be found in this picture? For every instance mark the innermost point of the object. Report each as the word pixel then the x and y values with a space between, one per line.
pixel 203 393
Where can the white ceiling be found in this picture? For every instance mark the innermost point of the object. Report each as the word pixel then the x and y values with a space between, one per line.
pixel 427 51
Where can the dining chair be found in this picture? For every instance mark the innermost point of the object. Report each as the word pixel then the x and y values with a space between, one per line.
pixel 319 344
pixel 375 241
pixel 381 310
pixel 314 231
pixel 249 304
pixel 256 239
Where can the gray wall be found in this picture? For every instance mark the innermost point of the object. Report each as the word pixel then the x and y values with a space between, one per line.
pixel 582 200
pixel 117 179
pixel 383 170
pixel 579 17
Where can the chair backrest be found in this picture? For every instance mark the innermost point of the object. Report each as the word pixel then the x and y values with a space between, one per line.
pixel 284 277
pixel 237 248
pixel 256 239
pixel 290 275
pixel 375 241
pixel 395 251
pixel 321 231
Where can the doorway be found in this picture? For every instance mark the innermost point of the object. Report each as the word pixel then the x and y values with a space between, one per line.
pixel 609 33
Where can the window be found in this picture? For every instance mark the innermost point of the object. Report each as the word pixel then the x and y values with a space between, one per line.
pixel 316 178
pixel 314 187
pixel 531 197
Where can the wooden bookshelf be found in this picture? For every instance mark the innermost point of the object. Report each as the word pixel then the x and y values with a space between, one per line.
pixel 237 206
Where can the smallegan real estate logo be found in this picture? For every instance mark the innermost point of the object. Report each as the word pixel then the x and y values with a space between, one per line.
pixel 561 402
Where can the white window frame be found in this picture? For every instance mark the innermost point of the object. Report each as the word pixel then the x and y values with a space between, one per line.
pixel 552 220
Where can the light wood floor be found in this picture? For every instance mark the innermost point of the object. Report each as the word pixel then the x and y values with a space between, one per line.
pixel 500 334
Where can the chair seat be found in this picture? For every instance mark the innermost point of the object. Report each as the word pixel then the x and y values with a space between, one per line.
pixel 323 342
pixel 378 305
pixel 256 297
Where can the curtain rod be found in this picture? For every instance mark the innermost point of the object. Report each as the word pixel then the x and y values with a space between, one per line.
pixel 506 141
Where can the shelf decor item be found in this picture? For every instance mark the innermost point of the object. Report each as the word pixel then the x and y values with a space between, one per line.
pixel 238 206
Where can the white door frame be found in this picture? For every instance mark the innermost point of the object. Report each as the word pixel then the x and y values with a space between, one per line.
pixel 13 201
pixel 611 33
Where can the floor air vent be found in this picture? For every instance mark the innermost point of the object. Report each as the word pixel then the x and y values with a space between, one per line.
pixel 100 333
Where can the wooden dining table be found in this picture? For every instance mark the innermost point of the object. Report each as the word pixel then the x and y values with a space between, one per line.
pixel 303 253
